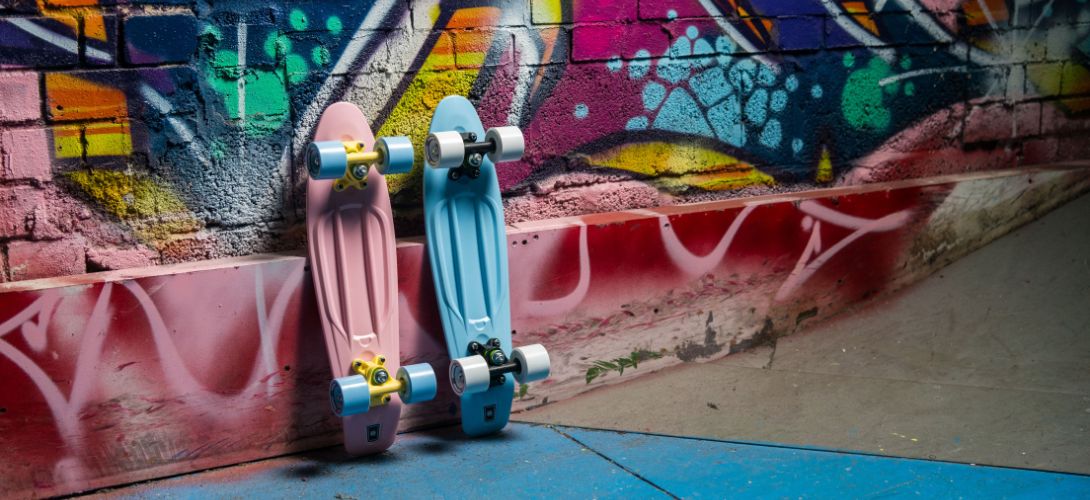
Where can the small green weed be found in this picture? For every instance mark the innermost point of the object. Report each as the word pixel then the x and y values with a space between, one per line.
pixel 600 368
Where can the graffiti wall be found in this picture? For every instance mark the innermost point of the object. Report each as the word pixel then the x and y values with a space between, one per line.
pixel 135 133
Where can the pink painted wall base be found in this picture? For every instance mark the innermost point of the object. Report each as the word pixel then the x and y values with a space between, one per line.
pixel 128 375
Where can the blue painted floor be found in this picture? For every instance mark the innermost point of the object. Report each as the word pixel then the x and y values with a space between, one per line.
pixel 552 461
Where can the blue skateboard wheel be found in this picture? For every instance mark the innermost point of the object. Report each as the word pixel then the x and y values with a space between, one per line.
pixel 326 160
pixel 418 382
pixel 349 395
pixel 397 154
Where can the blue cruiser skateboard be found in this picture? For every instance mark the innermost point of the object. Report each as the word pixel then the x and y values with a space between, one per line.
pixel 467 247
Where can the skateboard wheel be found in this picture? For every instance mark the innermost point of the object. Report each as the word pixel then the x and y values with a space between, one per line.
pixel 417 383
pixel 445 149
pixel 469 375
pixel 397 155
pixel 509 143
pixel 533 361
pixel 326 160
pixel 349 395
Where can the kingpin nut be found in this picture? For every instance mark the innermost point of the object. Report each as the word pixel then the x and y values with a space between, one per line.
pixel 380 376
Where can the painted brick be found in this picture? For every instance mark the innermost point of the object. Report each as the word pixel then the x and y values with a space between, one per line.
pixel 837 37
pixel 20 97
pixel 259 54
pixel 1073 149
pixel 25 154
pixel 1055 119
pixel 513 14
pixel 1060 43
pixel 160 39
pixel 1027 119
pixel 83 95
pixel 800 33
pixel 1030 48
pixel 112 139
pixel 797 8
pixel 471 48
pixel 671 9
pixel 93 3
pixel 604 10
pixel 67 144
pixel 559 37
pixel 546 12
pixel 19 48
pixel 78 3
pixel 121 258
pixel 898 28
pixel 1044 78
pixel 1076 78
pixel 20 6
pixel 989 122
pixel 17 204
pixel 71 96
pixel 100 40
pixel 591 43
pixel 1038 151
pixel 44 259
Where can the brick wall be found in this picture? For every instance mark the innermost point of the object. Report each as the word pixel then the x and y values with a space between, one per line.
pixel 137 133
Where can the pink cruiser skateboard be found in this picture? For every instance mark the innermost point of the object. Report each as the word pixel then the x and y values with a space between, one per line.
pixel 350 242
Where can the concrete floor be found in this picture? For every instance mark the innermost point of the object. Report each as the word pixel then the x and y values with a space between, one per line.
pixel 568 462
pixel 986 362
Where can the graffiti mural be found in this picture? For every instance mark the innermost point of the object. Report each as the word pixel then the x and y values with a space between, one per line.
pixel 133 134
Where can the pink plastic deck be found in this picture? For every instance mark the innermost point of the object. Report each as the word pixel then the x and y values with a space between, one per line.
pixel 352 259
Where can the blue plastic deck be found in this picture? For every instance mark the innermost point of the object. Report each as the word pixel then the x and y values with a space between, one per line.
pixel 467 249
pixel 539 461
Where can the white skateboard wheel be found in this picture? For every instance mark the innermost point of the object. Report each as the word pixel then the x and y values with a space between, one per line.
pixel 417 383
pixel 349 395
pixel 397 155
pixel 326 160
pixel 445 149
pixel 509 143
pixel 533 361
pixel 469 375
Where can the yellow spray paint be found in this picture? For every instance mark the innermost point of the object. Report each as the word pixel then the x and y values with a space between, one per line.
pixel 108 139
pixel 67 141
pixel 824 168
pixel 682 166
pixel 152 210
pixel 438 77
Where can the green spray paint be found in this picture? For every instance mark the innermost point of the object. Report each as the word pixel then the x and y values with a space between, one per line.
pixel 257 98
pixel 862 99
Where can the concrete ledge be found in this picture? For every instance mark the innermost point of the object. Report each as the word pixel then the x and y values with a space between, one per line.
pixel 122 376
